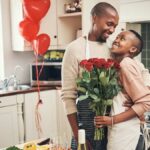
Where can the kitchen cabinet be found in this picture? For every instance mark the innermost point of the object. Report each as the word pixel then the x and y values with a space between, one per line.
pixel 134 10
pixel 48 25
pixel 9 134
pixel 54 122
pixel 47 111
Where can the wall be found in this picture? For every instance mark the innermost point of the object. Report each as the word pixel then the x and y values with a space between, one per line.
pixel 8 58
pixel 135 11
pixel 1 46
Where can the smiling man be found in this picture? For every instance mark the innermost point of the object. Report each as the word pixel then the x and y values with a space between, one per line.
pixel 104 21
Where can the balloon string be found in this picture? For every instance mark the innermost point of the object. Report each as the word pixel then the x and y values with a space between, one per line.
pixel 38 119
pixel 37 113
pixel 41 68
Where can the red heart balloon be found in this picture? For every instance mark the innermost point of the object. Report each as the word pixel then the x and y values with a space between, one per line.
pixel 36 9
pixel 41 44
pixel 28 29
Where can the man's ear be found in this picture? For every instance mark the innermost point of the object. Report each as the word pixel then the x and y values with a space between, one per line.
pixel 93 19
pixel 133 50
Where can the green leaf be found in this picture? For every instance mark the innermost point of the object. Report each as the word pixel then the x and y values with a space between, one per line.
pixel 82 97
pixel 103 78
pixel 93 96
pixel 113 81
pixel 97 100
pixel 86 75
pixel 93 83
pixel 96 90
pixel 109 102
pixel 78 80
pixel 81 89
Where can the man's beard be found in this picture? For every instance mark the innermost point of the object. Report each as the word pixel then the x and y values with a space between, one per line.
pixel 101 40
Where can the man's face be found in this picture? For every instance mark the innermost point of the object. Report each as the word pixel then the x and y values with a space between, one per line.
pixel 124 43
pixel 105 25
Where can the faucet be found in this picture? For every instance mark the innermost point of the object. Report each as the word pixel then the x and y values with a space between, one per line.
pixel 7 81
pixel 13 77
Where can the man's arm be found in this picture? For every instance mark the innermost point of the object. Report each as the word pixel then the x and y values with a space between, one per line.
pixel 69 92
pixel 74 125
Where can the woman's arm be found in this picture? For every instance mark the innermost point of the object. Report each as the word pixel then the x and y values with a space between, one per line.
pixel 106 120
pixel 134 87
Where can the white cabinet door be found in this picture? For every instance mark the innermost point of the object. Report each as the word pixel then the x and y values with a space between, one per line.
pixel 48 115
pixel 9 123
pixel 47 25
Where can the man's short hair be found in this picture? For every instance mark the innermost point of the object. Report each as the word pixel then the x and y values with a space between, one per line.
pixel 100 8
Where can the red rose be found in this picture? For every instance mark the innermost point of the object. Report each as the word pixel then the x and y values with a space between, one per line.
pixel 107 65
pixel 89 66
pixel 83 63
pixel 111 61
pixel 116 65
pixel 99 62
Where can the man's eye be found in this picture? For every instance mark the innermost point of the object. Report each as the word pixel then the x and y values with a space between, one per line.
pixel 110 24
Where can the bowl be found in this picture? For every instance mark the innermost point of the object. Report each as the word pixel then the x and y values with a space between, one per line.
pixel 23 87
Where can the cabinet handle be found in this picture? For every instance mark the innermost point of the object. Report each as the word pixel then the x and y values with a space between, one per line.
pixel 0 101
pixel 55 36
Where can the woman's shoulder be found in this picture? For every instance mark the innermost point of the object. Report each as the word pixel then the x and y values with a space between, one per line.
pixel 129 64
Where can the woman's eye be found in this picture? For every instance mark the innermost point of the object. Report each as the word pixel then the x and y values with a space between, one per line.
pixel 122 39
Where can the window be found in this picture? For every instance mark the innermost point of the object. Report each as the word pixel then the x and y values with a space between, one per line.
pixel 145 32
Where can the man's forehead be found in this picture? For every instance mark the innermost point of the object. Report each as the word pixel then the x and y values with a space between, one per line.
pixel 111 15
pixel 111 12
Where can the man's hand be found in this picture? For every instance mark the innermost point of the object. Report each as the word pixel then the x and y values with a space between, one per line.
pixel 100 121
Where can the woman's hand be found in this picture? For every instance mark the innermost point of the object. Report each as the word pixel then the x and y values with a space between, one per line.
pixel 100 121
pixel 128 104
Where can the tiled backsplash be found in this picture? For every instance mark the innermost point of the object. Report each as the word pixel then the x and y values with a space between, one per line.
pixel 145 32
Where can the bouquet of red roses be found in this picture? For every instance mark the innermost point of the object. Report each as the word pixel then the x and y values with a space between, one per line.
pixel 100 83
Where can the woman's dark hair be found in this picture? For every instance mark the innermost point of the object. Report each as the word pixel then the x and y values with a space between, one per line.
pixel 140 43
pixel 100 8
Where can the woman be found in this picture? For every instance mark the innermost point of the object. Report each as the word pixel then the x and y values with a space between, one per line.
pixel 124 123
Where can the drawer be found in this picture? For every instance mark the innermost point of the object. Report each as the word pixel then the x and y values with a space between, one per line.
pixel 8 100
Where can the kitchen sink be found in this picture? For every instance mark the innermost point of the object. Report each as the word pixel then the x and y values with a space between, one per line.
pixel 23 87
pixel 13 89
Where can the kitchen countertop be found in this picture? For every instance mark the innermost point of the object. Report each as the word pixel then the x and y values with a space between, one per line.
pixel 32 89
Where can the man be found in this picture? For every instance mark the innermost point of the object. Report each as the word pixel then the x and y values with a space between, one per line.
pixel 104 21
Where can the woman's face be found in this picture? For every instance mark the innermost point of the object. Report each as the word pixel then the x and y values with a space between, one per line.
pixel 124 43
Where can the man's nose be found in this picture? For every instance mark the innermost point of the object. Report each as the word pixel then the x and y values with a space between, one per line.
pixel 112 29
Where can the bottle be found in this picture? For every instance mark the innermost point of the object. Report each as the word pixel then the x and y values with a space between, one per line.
pixel 81 140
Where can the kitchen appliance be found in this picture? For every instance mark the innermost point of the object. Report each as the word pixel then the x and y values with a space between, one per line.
pixel 49 73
